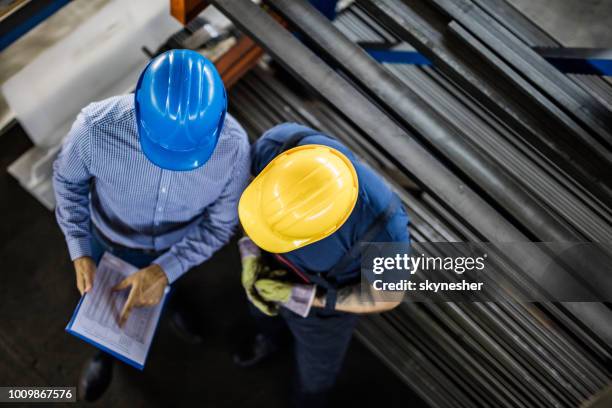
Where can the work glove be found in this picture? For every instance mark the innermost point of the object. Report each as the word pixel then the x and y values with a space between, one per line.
pixel 250 256
pixel 147 287
pixel 297 297
pixel 85 270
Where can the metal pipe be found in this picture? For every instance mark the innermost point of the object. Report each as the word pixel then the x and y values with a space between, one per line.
pixel 416 112
pixel 435 356
pixel 533 116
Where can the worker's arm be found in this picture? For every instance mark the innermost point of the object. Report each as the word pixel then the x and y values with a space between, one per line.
pixel 361 300
pixel 217 225
pixel 352 299
pixel 71 182
pixel 300 298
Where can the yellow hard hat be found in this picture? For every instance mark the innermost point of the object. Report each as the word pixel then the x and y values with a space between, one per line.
pixel 300 197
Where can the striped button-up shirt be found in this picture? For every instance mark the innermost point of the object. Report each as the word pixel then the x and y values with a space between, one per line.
pixel 102 177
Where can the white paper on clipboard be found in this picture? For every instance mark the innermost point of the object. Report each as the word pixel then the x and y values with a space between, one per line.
pixel 95 319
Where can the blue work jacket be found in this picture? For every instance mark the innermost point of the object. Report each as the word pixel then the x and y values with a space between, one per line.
pixel 375 196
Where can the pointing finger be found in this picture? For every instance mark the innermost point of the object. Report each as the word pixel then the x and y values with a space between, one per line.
pixel 124 284
pixel 127 308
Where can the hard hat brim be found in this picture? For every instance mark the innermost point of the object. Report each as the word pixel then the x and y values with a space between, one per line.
pixel 251 208
pixel 162 139
pixel 249 212
pixel 175 160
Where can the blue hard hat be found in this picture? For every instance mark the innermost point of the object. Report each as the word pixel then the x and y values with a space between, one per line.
pixel 180 109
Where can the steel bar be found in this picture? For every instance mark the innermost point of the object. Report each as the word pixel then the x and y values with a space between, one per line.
pixel 416 112
pixel 420 26
pixel 513 20
pixel 299 11
pixel 405 343
pixel 534 36
pixel 593 61
pixel 408 154
pixel 573 98
pixel 452 355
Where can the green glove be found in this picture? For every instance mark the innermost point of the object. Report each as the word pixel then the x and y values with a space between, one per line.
pixel 251 268
pixel 274 290
pixel 250 256
pixel 296 297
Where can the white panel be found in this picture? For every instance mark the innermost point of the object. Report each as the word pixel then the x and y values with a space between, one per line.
pixel 101 58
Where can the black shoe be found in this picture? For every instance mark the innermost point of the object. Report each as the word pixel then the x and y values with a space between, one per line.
pixel 255 351
pixel 95 377
pixel 184 326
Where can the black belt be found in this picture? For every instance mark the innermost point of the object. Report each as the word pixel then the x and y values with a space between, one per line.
pixel 108 242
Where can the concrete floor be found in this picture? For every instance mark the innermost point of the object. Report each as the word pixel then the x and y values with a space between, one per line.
pixel 574 23
pixel 38 295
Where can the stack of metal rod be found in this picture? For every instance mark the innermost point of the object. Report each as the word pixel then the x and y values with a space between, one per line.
pixel 502 148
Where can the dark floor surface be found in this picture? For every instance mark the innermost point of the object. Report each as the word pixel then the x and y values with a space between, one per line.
pixel 38 295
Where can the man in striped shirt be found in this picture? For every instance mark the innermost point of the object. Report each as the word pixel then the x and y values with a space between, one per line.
pixel 153 178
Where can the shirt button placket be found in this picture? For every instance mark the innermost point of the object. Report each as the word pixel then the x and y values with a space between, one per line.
pixel 158 210
pixel 162 199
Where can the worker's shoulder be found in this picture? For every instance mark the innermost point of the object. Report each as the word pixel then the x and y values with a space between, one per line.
pixel 234 135
pixel 377 198
pixel 373 187
pixel 111 111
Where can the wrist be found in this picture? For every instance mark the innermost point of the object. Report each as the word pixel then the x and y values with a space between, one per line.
pixel 79 247
pixel 158 270
pixel 170 265
pixel 82 260
pixel 301 299
pixel 248 249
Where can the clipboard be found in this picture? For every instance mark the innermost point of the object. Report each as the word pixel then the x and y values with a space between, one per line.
pixel 94 319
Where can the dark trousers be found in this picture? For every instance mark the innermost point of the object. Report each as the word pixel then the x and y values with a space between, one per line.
pixel 321 341
pixel 138 258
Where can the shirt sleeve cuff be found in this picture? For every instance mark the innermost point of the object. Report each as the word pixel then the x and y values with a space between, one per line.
pixel 79 247
pixel 171 265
